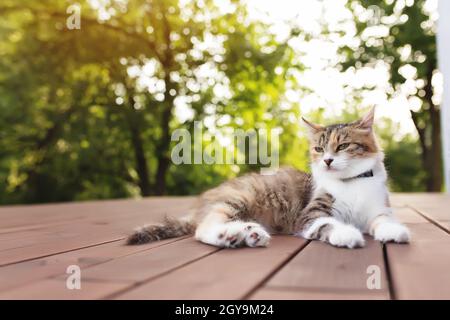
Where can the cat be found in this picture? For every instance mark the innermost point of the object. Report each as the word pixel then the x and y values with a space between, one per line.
pixel 345 196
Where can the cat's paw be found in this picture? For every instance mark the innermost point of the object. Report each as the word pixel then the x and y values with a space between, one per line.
pixel 392 231
pixel 232 235
pixel 256 235
pixel 346 236
pixel 237 234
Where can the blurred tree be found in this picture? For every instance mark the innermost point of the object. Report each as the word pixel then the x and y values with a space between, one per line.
pixel 403 35
pixel 89 113
pixel 402 161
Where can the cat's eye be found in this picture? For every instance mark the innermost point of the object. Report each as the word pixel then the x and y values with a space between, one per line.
pixel 342 146
pixel 318 149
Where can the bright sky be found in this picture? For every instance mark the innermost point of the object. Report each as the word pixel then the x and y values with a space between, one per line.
pixel 327 84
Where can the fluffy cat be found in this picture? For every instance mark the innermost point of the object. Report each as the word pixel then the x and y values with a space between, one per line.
pixel 345 196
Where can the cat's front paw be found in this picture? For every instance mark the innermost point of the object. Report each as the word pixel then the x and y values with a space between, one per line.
pixel 392 231
pixel 232 235
pixel 256 236
pixel 346 236
pixel 238 234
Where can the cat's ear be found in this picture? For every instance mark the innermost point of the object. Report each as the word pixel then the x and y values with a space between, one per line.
pixel 313 128
pixel 366 122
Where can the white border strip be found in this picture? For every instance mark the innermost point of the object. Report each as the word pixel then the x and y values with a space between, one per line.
pixel 443 46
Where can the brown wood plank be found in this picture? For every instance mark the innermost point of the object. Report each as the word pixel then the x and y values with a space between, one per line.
pixel 42 219
pixel 37 243
pixel 397 200
pixel 19 274
pixel 420 270
pixel 433 206
pixel 320 269
pixel 142 266
pixel 324 272
pixel 268 293
pixel 228 274
pixel 55 289
pixel 31 222
pixel 127 271
pixel 97 227
pixel 32 215
pixel 407 216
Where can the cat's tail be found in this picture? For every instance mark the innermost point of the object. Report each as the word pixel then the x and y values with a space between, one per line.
pixel 169 228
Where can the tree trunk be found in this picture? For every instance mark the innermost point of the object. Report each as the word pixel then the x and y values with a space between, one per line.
pixel 161 173
pixel 163 151
pixel 434 154
pixel 141 162
pixel 430 138
pixel 138 148
pixel 434 167
pixel 35 192
pixel 164 146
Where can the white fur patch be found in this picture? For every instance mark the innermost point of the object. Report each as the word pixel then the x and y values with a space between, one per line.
pixel 391 231
pixel 341 235
pixel 360 200
pixel 345 235
pixel 234 234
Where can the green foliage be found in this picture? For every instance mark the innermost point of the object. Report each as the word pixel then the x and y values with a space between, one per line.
pixel 88 114
pixel 403 159
pixel 77 124
pixel 402 35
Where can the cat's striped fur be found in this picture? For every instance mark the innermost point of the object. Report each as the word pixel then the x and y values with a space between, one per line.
pixel 335 204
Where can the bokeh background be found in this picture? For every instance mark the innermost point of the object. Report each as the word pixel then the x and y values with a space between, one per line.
pixel 88 113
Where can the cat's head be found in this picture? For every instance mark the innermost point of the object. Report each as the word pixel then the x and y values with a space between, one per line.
pixel 343 150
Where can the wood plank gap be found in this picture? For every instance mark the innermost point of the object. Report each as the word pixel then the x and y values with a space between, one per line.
pixel 390 283
pixel 430 219
pixel 275 270
pixel 120 257
pixel 142 282
pixel 315 289
pixel 60 252
pixel 56 275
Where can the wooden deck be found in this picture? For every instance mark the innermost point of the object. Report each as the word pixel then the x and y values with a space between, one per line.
pixel 38 243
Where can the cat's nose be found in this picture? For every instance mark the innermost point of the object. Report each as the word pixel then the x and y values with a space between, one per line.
pixel 328 161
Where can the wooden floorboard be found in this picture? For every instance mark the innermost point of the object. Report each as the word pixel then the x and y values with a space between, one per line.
pixel 420 270
pixel 227 274
pixel 128 271
pixel 38 243
pixel 280 293
pixel 103 222
pixel 435 207
pixel 142 266
pixel 56 289
pixel 24 273
pixel 321 268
